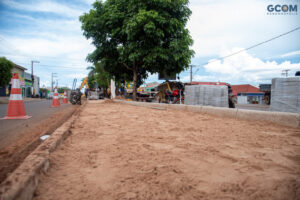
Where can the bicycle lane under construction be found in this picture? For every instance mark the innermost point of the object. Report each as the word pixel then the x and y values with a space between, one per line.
pixel 118 151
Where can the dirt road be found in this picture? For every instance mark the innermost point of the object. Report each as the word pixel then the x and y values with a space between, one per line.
pixel 120 151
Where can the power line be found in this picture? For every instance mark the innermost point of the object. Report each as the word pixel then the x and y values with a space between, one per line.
pixel 38 56
pixel 251 47
pixel 56 66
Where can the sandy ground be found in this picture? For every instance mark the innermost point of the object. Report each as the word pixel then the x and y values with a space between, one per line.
pixel 120 151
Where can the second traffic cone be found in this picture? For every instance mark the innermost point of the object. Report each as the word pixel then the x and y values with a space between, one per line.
pixel 65 100
pixel 16 108
pixel 55 102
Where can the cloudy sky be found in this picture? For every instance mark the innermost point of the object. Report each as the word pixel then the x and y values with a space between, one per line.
pixel 49 31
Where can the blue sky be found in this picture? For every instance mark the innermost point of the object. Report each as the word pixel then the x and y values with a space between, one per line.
pixel 49 31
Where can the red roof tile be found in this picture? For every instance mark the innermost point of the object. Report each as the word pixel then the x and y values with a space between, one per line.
pixel 244 89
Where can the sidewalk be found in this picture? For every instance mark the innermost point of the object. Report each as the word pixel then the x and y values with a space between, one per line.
pixel 5 100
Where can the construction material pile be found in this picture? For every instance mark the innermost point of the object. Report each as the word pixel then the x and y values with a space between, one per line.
pixel 206 95
pixel 285 94
pixel 94 95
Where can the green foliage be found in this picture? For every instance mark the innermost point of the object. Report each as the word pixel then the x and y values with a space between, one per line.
pixel 137 37
pixel 102 77
pixel 62 89
pixel 44 90
pixel 91 76
pixel 91 81
pixel 5 71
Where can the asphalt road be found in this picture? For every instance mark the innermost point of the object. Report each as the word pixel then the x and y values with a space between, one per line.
pixel 39 110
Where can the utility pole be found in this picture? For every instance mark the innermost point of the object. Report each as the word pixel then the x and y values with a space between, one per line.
pixel 285 72
pixel 32 77
pixel 191 74
pixel 52 75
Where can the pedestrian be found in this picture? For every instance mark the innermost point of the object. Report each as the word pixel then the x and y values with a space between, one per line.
pixel 86 93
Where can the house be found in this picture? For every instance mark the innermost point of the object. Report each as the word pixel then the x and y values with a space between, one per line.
pixel 247 94
pixel 151 86
pixel 28 85
pixel 5 91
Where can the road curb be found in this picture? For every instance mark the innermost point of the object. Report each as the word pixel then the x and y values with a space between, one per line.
pixel 22 183
pixel 280 118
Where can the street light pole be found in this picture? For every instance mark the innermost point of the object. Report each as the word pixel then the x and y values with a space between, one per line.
pixel 32 77
pixel 52 75
pixel 191 74
pixel 285 72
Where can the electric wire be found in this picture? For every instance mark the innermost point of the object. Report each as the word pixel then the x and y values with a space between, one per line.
pixel 248 48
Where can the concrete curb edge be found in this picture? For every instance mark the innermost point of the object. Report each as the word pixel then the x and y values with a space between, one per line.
pixel 280 118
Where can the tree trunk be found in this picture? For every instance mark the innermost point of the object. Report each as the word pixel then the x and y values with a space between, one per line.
pixel 134 84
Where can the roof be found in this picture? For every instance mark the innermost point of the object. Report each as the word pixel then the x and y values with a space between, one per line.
pixel 151 85
pixel 208 83
pixel 18 66
pixel 247 88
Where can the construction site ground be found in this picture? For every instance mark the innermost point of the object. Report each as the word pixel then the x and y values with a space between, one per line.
pixel 118 151
pixel 18 138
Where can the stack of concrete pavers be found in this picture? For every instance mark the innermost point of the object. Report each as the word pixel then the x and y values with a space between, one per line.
pixel 285 94
pixel 93 95
pixel 206 95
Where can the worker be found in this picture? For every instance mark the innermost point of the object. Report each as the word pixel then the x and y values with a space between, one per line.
pixel 86 93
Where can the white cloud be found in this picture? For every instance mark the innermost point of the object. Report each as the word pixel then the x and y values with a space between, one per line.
pixel 44 83
pixel 76 75
pixel 58 44
pixel 243 68
pixel 199 78
pixel 217 25
pixel 44 6
pixel 290 54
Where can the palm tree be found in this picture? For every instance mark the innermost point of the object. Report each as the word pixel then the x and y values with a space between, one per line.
pixel 92 70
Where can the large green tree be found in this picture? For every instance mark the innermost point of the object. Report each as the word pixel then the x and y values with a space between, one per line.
pixel 137 37
pixel 5 71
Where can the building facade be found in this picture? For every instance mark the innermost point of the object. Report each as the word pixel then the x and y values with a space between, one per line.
pixel 5 91
pixel 28 85
pixel 247 94
pixel 25 83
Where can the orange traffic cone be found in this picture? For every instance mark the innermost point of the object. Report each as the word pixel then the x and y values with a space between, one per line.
pixel 65 100
pixel 16 108
pixel 55 102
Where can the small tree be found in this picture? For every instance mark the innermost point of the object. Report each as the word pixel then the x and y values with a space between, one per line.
pixel 139 37
pixel 5 71
pixel 62 89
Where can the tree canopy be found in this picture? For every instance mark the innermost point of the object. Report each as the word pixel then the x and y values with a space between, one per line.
pixel 91 76
pixel 62 89
pixel 137 37
pixel 5 71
